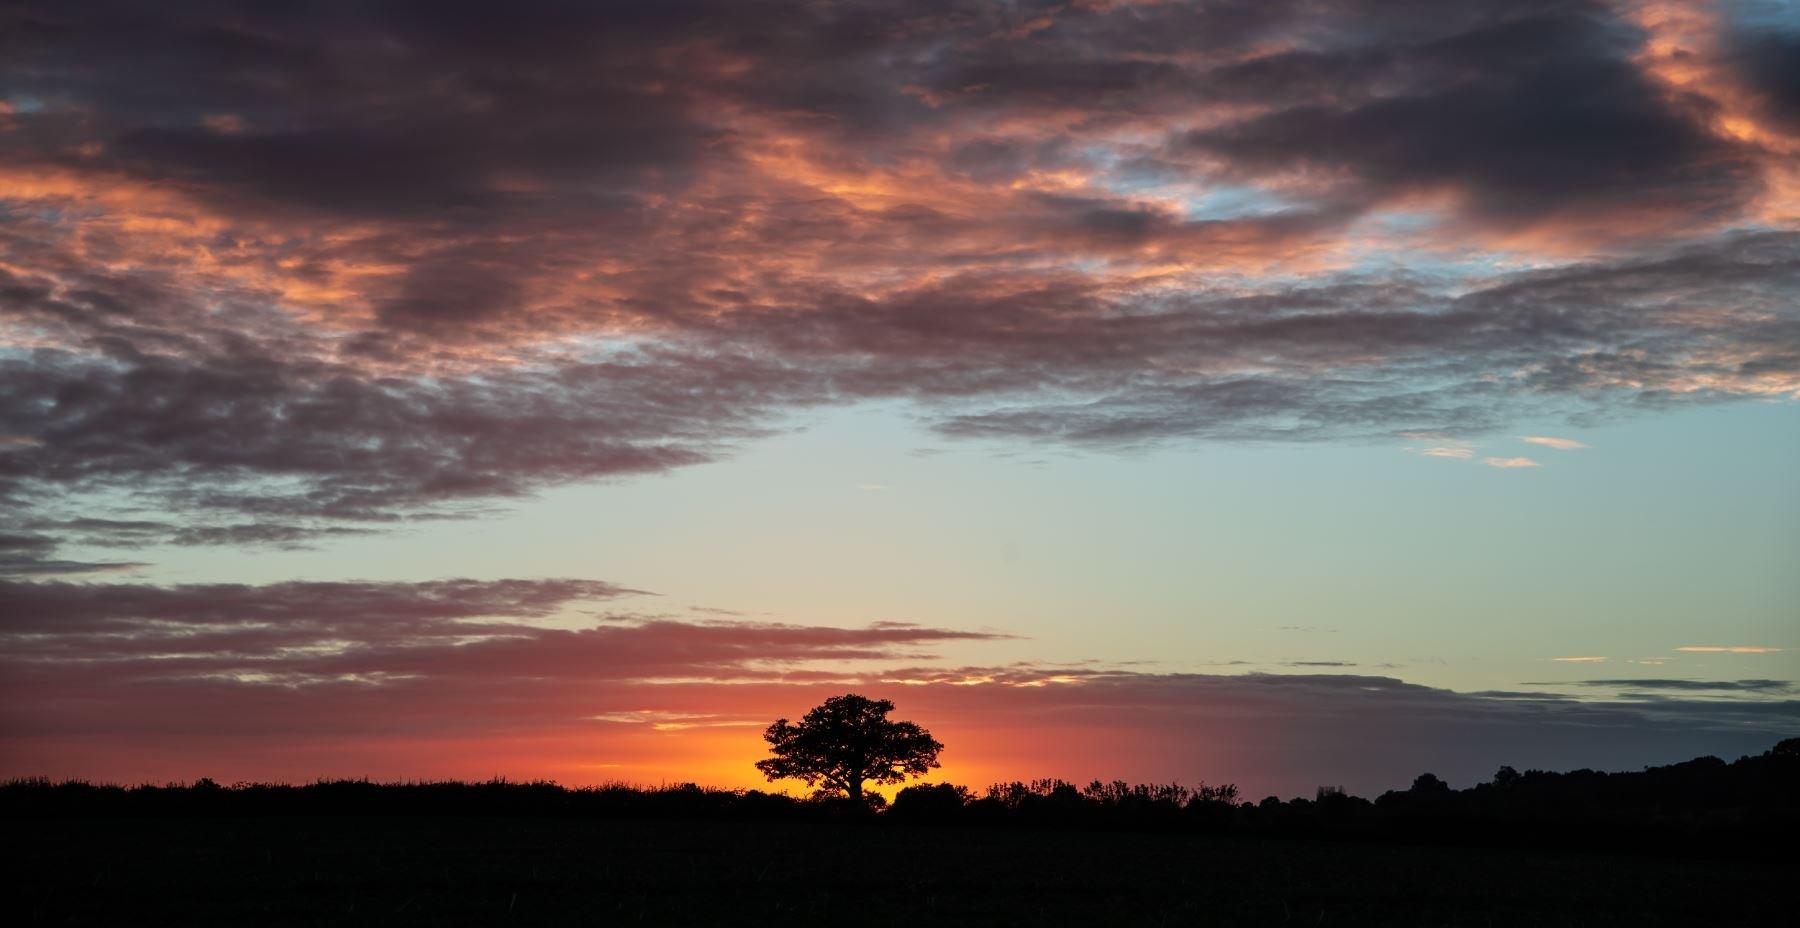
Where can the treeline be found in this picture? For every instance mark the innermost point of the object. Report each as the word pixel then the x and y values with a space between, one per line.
pixel 1706 805
pixel 1702 804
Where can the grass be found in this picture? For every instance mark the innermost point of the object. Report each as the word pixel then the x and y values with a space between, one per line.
pixel 547 871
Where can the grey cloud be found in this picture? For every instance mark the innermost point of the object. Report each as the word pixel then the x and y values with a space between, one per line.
pixel 262 437
pixel 33 555
pixel 1699 324
pixel 1699 686
pixel 1531 116
pixel 560 175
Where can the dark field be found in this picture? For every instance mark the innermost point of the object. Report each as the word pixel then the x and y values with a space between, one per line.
pixel 535 870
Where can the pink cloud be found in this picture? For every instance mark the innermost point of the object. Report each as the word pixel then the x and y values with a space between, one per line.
pixel 1560 444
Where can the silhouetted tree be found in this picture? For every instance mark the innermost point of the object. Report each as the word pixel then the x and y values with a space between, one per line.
pixel 1223 794
pixel 1427 784
pixel 846 742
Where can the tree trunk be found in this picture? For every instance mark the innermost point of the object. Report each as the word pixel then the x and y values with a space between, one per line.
pixel 856 789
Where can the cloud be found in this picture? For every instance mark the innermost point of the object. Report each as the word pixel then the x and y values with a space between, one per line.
pixel 391 222
pixel 1506 463
pixel 467 677
pixel 1580 660
pixel 277 439
pixel 1733 649
pixel 29 554
pixel 284 276
pixel 673 721
pixel 1719 686
pixel 324 633
pixel 1761 48
pixel 1560 444
pixel 320 435
pixel 716 610
pixel 1582 128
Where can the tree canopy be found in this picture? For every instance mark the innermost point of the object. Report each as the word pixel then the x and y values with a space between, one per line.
pixel 848 741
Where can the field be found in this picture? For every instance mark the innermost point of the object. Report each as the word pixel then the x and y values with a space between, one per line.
pixel 539 871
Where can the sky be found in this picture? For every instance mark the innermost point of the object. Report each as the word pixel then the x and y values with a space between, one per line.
pixel 1279 393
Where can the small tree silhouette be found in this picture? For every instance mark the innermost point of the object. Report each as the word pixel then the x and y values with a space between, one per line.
pixel 848 741
pixel 1428 786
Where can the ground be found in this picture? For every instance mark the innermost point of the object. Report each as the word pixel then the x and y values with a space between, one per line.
pixel 539 871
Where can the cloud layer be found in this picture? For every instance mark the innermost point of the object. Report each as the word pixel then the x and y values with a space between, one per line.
pixel 298 271
pixel 469 678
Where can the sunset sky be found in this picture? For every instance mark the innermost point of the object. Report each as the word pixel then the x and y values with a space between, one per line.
pixel 1275 392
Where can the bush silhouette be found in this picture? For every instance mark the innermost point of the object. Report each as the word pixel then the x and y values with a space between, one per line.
pixel 930 802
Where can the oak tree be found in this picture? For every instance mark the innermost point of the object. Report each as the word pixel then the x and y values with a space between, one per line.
pixel 846 742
